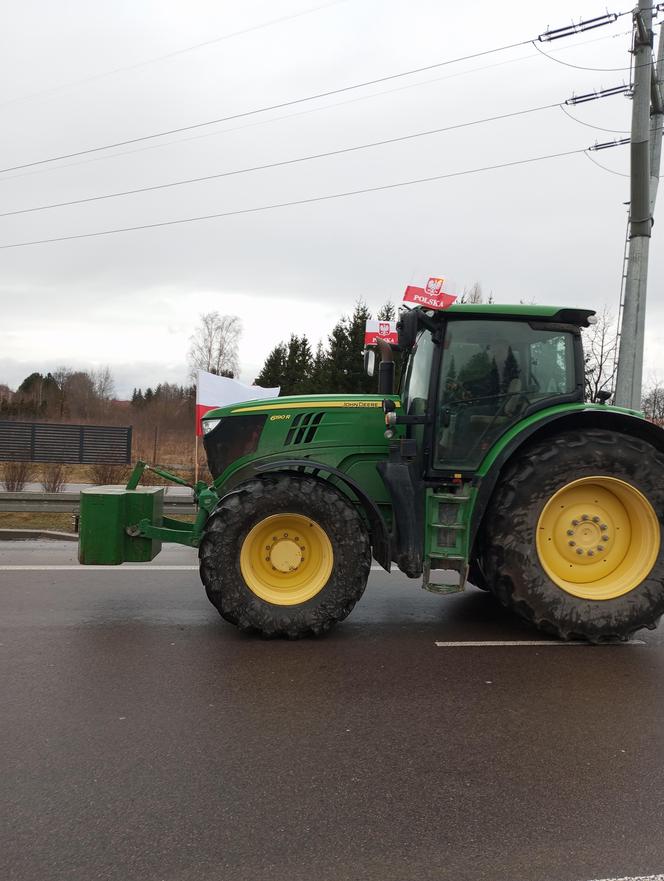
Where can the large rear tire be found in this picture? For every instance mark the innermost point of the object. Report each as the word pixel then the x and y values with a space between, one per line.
pixel 286 555
pixel 574 538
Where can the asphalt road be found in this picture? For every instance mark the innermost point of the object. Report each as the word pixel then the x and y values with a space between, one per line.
pixel 144 739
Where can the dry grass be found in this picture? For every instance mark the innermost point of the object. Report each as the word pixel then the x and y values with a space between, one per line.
pixel 15 475
pixel 56 522
pixel 53 477
pixel 103 475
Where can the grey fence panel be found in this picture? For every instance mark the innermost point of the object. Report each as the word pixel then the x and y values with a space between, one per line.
pixel 70 444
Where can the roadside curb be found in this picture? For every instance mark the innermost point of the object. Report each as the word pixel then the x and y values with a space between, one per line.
pixel 27 534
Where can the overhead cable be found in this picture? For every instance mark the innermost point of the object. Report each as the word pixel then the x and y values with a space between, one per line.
pixel 603 167
pixel 618 131
pixel 309 110
pixel 295 202
pixel 173 54
pixel 279 106
pixel 606 93
pixel 579 66
pixel 282 163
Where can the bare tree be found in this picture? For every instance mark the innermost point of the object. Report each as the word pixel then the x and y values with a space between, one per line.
pixel 214 344
pixel 600 347
pixel 653 401
pixel 61 376
pixel 473 294
pixel 104 383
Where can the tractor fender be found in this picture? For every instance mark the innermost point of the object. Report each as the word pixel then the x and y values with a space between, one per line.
pixel 379 534
pixel 590 417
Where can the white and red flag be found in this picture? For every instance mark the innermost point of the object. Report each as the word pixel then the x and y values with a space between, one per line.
pixel 430 294
pixel 214 391
pixel 384 330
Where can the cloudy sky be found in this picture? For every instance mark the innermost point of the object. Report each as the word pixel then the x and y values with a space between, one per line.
pixel 77 75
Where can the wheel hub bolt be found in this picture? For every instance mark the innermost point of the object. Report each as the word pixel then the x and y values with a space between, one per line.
pixel 605 538
pixel 603 526
pixel 572 544
pixel 585 517
pixel 600 548
pixel 591 553
pixel 575 522
pixel 570 532
pixel 579 550
pixel 595 519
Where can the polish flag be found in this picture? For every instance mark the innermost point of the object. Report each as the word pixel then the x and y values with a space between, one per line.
pixel 384 330
pixel 430 295
pixel 214 391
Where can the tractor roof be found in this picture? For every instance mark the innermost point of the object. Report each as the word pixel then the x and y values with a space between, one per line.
pixel 557 314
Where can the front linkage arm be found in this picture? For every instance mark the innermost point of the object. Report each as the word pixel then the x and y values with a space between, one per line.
pixel 170 530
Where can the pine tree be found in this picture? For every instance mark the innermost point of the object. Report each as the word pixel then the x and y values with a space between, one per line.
pixel 510 370
pixel 272 372
pixel 387 312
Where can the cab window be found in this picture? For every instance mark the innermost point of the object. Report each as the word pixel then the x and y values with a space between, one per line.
pixel 418 376
pixel 491 373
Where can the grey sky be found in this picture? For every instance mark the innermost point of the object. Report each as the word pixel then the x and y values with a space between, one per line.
pixel 551 231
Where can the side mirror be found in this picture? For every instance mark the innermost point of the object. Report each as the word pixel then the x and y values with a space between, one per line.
pixel 407 327
pixel 369 362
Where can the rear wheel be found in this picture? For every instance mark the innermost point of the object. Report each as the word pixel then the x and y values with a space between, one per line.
pixel 285 556
pixel 573 537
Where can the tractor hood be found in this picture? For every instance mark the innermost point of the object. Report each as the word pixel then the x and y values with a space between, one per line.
pixel 299 403
pixel 316 426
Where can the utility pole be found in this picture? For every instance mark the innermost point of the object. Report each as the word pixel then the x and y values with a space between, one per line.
pixel 630 358
pixel 656 122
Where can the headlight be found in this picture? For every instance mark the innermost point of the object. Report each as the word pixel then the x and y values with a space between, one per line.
pixel 210 425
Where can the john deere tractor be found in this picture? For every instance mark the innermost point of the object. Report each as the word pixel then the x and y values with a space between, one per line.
pixel 486 467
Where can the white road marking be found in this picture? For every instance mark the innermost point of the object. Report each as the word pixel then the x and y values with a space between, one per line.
pixel 122 567
pixel 634 878
pixel 500 642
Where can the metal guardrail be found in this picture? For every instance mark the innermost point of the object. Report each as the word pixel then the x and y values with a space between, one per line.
pixel 70 502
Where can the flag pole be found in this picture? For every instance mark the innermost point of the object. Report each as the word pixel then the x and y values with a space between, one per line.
pixel 196 459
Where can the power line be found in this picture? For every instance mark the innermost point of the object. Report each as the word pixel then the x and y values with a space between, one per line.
pixel 244 114
pixel 282 163
pixel 173 54
pixel 235 213
pixel 603 167
pixel 619 131
pixel 315 109
pixel 577 66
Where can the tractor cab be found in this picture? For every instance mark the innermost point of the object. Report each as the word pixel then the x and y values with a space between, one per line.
pixel 473 372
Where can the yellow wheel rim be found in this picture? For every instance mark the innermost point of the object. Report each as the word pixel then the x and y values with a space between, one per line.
pixel 598 538
pixel 286 559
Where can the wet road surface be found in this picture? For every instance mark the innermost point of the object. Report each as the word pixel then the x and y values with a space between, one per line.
pixel 144 738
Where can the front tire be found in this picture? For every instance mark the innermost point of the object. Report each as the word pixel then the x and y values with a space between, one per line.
pixel 286 555
pixel 574 540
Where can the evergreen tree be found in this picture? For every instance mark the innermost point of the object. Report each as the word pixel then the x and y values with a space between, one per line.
pixel 387 312
pixel 479 376
pixel 316 382
pixel 510 370
pixel 273 368
pixel 297 366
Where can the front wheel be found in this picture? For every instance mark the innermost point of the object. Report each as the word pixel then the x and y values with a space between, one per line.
pixel 573 535
pixel 285 556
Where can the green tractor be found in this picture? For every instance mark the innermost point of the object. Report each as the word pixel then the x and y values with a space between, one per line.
pixel 487 467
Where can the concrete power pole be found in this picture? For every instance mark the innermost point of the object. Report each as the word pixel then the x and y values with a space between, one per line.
pixel 630 357
pixel 656 122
